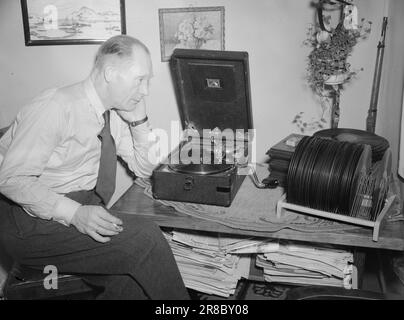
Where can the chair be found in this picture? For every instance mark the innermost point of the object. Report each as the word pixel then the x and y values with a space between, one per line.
pixel 23 283
pixel 28 284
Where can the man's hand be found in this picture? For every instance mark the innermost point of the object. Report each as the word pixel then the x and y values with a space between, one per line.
pixel 138 113
pixel 97 222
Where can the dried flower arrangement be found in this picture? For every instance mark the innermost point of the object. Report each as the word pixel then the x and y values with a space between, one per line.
pixel 328 64
pixel 330 53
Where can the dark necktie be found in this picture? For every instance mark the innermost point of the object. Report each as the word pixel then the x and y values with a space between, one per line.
pixel 105 186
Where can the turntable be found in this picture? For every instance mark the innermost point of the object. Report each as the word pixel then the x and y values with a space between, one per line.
pixel 213 96
pixel 211 160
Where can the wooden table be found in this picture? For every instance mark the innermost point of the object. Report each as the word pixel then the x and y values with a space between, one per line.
pixel 135 202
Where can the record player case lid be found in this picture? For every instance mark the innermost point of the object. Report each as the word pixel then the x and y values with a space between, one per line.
pixel 212 89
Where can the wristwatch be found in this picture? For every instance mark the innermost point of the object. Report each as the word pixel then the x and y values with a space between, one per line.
pixel 138 122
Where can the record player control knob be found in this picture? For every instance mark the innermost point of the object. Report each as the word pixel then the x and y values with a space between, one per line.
pixel 189 183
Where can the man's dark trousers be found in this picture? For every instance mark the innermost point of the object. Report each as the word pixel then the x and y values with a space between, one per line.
pixel 136 264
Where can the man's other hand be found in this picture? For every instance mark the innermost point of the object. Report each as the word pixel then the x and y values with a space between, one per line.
pixel 97 222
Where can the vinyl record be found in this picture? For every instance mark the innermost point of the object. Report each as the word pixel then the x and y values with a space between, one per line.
pixel 291 185
pixel 331 173
pixel 201 169
pixel 337 179
pixel 381 173
pixel 204 161
pixel 350 177
pixel 324 174
pixel 378 144
pixel 319 179
pixel 314 185
pixel 362 168
pixel 343 179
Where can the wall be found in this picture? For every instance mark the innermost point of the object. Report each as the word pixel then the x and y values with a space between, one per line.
pixel 391 89
pixel 271 31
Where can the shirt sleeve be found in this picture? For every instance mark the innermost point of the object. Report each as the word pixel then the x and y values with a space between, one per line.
pixel 36 132
pixel 139 148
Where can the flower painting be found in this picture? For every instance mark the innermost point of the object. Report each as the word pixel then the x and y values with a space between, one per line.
pixel 71 22
pixel 191 28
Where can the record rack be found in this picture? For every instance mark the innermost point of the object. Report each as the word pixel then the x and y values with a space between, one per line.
pixel 337 180
pixel 374 225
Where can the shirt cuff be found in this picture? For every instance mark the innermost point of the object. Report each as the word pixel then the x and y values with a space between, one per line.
pixel 141 132
pixel 65 209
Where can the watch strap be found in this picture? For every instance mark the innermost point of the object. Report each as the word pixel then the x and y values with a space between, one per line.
pixel 138 122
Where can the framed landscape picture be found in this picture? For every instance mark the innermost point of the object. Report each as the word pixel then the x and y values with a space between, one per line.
pixel 56 22
pixel 191 28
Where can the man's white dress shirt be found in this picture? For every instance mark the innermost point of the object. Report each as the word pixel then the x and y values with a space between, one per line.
pixel 52 149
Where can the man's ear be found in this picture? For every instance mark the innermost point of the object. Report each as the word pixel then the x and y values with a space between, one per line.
pixel 109 73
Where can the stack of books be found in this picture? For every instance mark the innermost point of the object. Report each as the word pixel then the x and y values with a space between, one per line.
pixel 279 157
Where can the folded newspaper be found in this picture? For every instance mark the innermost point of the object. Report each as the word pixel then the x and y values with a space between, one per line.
pixel 214 264
pixel 307 265
pixel 205 264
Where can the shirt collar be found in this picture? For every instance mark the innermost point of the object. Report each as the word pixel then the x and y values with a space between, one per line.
pixel 94 99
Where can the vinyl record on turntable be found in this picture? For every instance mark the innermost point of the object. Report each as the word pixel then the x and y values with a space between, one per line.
pixel 378 144
pixel 207 162
pixel 203 169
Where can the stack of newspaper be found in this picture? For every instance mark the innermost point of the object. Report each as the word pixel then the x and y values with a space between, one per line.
pixel 205 264
pixel 307 265
pixel 214 264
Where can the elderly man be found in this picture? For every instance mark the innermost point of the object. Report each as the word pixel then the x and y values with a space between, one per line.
pixel 58 163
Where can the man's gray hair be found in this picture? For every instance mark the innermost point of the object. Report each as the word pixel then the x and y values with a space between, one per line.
pixel 118 46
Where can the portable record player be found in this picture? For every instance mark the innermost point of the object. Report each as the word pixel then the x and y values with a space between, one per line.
pixel 213 96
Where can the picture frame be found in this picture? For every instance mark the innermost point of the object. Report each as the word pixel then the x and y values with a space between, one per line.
pixel 191 28
pixel 68 22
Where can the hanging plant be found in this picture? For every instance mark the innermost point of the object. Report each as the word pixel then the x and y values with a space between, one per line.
pixel 328 60
pixel 330 52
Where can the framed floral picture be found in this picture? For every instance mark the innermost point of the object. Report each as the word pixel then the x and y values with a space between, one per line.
pixel 191 28
pixel 56 22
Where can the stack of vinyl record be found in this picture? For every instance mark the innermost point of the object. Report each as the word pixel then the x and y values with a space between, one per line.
pixel 281 153
pixel 378 144
pixel 279 158
pixel 325 174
